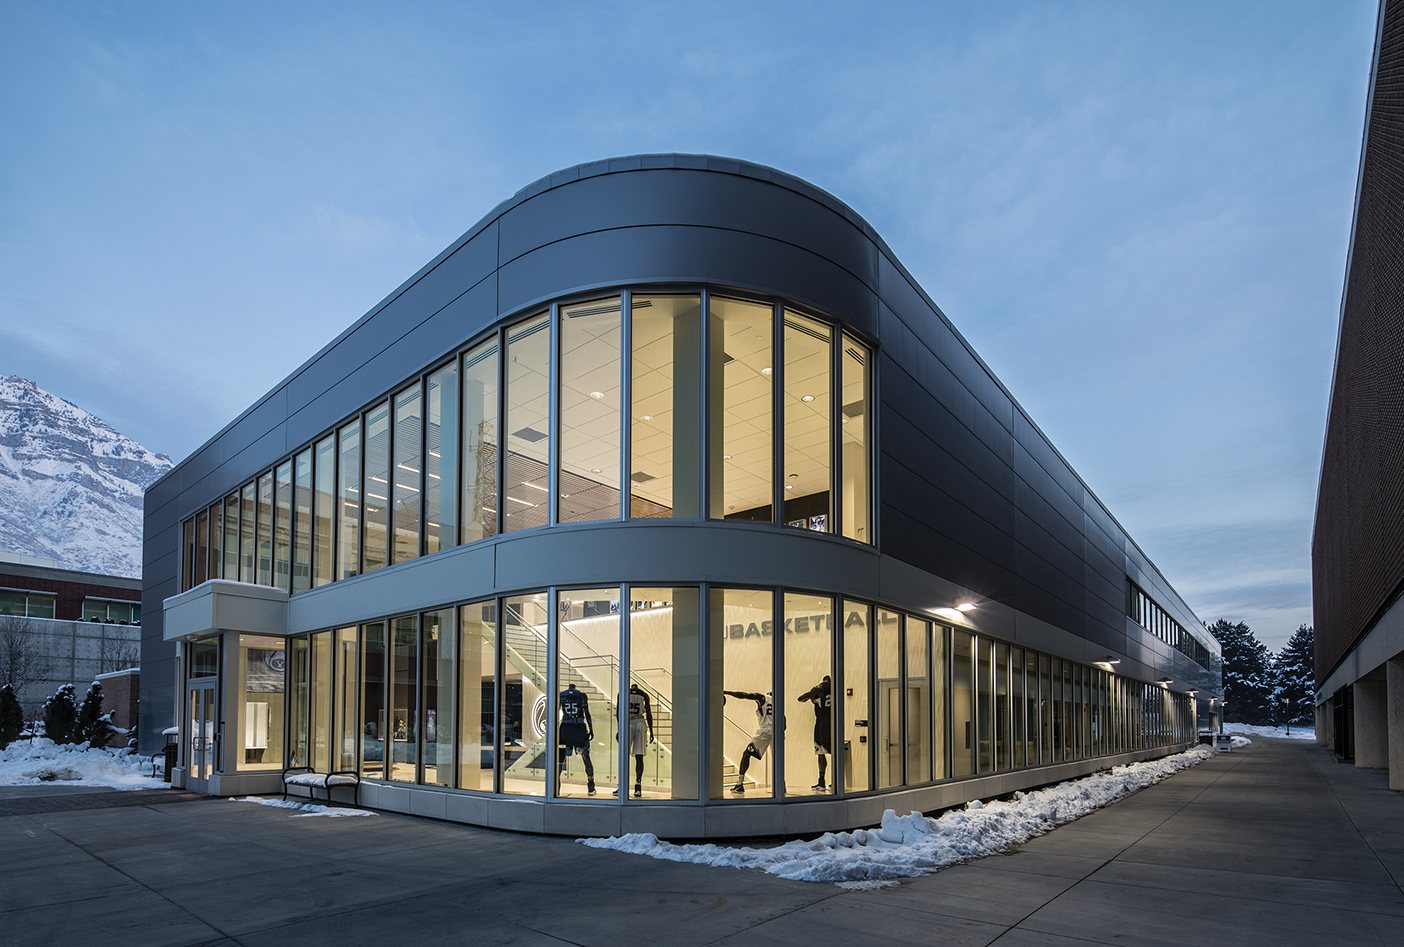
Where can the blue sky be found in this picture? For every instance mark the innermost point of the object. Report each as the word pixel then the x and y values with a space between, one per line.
pixel 1138 213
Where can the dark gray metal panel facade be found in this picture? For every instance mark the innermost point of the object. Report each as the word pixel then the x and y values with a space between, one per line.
pixel 968 489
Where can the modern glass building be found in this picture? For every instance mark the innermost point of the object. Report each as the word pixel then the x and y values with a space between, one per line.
pixel 662 500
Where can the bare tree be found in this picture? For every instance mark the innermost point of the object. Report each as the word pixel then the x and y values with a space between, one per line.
pixel 21 663
pixel 118 655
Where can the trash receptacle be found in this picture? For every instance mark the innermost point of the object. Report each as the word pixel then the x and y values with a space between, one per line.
pixel 170 753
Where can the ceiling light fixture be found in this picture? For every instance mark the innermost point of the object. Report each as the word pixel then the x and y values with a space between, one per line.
pixel 598 395
pixel 807 398
pixel 646 417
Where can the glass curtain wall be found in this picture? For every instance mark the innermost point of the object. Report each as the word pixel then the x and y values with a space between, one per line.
pixel 857 698
pixel 588 666
pixel 440 459
pixel 664 690
pixel 591 390
pixel 808 423
pixel 406 473
pixel 479 507
pixel 528 491
pixel 809 681
pixel 741 697
pixel 665 441
pixel 741 412
pixel 525 756
pixel 478 746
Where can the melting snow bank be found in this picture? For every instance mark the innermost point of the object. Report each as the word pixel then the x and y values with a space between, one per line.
pixel 1298 733
pixel 911 845
pixel 32 764
pixel 303 809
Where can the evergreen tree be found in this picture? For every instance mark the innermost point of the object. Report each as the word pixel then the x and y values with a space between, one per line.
pixel 93 726
pixel 61 715
pixel 1247 674
pixel 11 716
pixel 1294 678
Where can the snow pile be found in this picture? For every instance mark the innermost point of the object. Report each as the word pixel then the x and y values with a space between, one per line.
pixel 1298 733
pixel 303 809
pixel 32 764
pixel 1236 741
pixel 911 845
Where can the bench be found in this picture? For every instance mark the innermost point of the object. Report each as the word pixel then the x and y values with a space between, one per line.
pixel 306 776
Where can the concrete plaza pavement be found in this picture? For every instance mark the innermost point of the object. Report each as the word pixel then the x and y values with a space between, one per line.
pixel 1272 844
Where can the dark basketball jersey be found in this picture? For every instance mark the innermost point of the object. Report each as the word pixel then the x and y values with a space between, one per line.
pixel 574 705
pixel 823 696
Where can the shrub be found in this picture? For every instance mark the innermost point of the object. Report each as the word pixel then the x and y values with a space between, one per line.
pixel 11 716
pixel 61 716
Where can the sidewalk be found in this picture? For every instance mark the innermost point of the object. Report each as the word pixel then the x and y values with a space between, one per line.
pixel 1272 844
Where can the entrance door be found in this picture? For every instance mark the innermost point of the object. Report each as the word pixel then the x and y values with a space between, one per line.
pixel 202 729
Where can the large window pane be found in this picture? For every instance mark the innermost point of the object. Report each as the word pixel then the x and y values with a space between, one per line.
pixel 302 522
pixel 666 427
pixel 984 717
pixel 590 396
pixel 809 669
pixel 201 556
pixel 521 733
pixel 404 698
pixel 587 673
pixel 440 459
pixel 406 474
pixel 857 710
pixel 962 703
pixel 216 512
pixel 918 702
pixel 320 711
pixel 299 684
pixel 261 668
pixel 349 518
pixel 664 646
pixel 940 702
pixel 1016 703
pixel 740 452
pixel 375 489
pixel 741 701
pixel 808 423
pixel 231 537
pixel 889 699
pixel 854 440
pixel 373 729
pixel 265 530
pixel 344 716
pixel 480 442
pixel 477 692
pixel 187 555
pixel 323 511
pixel 437 732
pixel 1004 746
pixel 282 526
pixel 1046 710
pixel 528 490
pixel 248 506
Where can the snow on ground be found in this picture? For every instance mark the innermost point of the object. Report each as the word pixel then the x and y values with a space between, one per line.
pixel 911 845
pixel 303 809
pixel 1298 733
pixel 33 764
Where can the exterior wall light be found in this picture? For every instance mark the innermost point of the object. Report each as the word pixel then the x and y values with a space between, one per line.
pixel 965 607
pixel 1165 681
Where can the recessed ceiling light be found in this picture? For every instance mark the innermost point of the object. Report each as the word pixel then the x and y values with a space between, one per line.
pixel 765 371
pixel 646 417
pixel 597 394
pixel 789 486
pixel 595 470
pixel 726 456
pixel 807 398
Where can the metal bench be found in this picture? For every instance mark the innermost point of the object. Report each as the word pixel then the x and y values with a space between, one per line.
pixel 306 776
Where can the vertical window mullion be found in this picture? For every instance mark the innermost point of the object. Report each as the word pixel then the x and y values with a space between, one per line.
pixel 553 419
pixel 626 406
pixel 777 414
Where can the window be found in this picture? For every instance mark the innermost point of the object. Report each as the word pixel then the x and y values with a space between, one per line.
pixel 528 491
pixel 808 423
pixel 403 724
pixel 856 703
pixel 373 722
pixel 891 747
pixel 741 702
pixel 405 502
pixel 302 522
pixel 665 438
pixel 28 604
pixel 202 548
pixel 521 729
pixel 437 732
pixel 247 509
pixel 587 678
pixel 480 442
pixel 349 518
pixel 918 702
pixel 854 421
pixel 741 442
pixel 664 650
pixel 809 693
pixel 282 526
pixel 440 459
pixel 962 703
pixel 375 489
pixel 264 574
pixel 231 537
pixel 477 695
pixel 323 511
pixel 260 724
pixel 590 395
pixel 107 610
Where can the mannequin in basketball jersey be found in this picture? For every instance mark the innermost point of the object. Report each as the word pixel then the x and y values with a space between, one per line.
pixel 576 732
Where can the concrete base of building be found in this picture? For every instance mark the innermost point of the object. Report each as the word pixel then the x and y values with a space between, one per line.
pixel 1394 682
pixel 1371 725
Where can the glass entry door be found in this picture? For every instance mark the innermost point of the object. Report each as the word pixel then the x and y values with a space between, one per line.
pixel 202 735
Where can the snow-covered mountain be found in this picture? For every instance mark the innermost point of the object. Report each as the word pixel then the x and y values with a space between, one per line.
pixel 70 485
